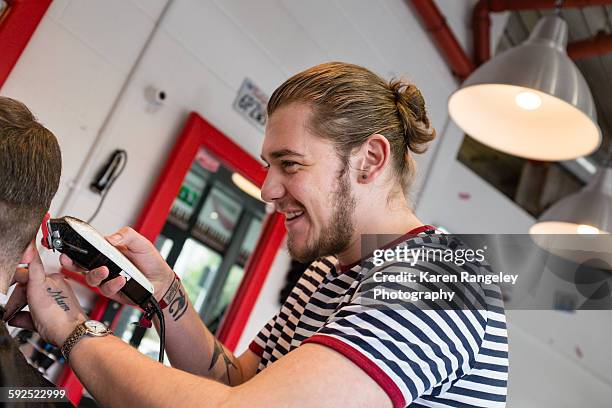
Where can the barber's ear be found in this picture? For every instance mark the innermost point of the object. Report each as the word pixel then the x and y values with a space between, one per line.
pixel 372 158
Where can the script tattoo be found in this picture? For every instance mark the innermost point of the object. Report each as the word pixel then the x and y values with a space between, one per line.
pixel 176 299
pixel 59 299
pixel 219 352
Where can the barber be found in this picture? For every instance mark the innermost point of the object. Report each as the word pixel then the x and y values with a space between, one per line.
pixel 338 145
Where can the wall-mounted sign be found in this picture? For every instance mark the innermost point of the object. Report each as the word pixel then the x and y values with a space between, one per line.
pixel 251 103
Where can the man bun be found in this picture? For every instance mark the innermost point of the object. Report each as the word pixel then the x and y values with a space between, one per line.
pixel 418 131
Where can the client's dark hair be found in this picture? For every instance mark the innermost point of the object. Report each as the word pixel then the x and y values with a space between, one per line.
pixel 30 167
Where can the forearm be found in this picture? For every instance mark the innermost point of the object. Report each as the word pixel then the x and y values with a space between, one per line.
pixel 118 376
pixel 191 346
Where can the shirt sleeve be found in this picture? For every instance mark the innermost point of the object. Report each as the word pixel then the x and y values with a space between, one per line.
pixel 410 349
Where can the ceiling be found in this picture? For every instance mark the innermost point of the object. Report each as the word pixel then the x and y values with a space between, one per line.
pixel 583 23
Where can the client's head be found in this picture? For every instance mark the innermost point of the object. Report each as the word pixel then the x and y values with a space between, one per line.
pixel 30 167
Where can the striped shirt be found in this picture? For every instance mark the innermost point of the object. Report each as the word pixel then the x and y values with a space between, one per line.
pixel 420 356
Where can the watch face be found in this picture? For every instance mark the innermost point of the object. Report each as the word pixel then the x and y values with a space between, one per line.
pixel 95 326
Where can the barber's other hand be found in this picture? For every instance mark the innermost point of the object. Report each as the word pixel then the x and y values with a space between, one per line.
pixel 143 255
pixel 54 307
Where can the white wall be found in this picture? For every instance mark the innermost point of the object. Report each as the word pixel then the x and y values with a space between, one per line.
pixel 82 76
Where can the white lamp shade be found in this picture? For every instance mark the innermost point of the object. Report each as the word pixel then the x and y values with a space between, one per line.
pixel 588 211
pixel 530 101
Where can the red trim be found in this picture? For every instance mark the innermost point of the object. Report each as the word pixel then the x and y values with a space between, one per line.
pixel 197 133
pixel 363 362
pixel 16 28
pixel 412 232
pixel 256 348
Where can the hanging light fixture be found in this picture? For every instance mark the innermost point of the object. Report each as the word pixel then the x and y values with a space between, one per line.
pixel 588 211
pixel 531 100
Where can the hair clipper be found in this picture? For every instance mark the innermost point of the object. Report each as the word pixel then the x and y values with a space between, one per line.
pixel 90 250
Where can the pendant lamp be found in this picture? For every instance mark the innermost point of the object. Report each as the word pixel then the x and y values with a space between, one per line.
pixel 530 101
pixel 588 211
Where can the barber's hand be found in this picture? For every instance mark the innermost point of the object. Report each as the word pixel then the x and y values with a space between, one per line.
pixel 143 255
pixel 54 309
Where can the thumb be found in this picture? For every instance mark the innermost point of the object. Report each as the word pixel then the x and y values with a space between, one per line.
pixel 131 240
pixel 36 273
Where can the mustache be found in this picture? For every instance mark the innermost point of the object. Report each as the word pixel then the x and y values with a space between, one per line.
pixel 289 206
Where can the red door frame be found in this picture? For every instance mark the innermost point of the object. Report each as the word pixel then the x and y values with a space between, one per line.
pixel 17 25
pixel 197 133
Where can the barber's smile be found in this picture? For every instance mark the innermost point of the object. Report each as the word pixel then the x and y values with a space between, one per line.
pixel 292 218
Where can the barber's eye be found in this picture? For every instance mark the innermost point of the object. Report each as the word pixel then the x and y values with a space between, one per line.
pixel 289 165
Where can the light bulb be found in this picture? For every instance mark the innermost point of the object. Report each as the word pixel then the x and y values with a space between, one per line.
pixel 214 215
pixel 528 100
pixel 587 229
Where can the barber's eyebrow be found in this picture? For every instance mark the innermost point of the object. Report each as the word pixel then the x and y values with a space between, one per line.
pixel 282 153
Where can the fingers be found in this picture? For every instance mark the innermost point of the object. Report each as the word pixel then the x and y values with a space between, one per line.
pixel 68 264
pixel 110 288
pixel 22 320
pixel 96 276
pixel 17 300
pixel 131 240
pixel 20 276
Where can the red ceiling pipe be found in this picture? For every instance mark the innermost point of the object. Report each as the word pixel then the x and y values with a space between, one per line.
pixel 481 25
pixel 481 29
pixel 435 24
pixel 503 5
pixel 458 60
pixel 598 45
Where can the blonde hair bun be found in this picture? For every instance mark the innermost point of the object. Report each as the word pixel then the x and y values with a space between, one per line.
pixel 418 131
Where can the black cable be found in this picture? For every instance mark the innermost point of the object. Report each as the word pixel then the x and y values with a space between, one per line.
pixel 122 155
pixel 154 308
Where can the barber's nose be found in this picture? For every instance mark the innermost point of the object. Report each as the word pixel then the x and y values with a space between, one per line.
pixel 272 188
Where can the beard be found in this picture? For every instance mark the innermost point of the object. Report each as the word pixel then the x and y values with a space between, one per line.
pixel 336 236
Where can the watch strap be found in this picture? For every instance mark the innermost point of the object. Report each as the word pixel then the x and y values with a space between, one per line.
pixel 77 334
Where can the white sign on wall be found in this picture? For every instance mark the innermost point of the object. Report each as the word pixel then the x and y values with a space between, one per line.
pixel 251 103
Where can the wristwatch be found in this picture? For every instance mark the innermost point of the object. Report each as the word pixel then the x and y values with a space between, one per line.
pixel 92 328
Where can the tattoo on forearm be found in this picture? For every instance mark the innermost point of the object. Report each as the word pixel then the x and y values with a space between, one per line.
pixel 176 299
pixel 219 352
pixel 59 298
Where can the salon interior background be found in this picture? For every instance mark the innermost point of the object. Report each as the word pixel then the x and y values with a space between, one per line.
pixel 86 68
